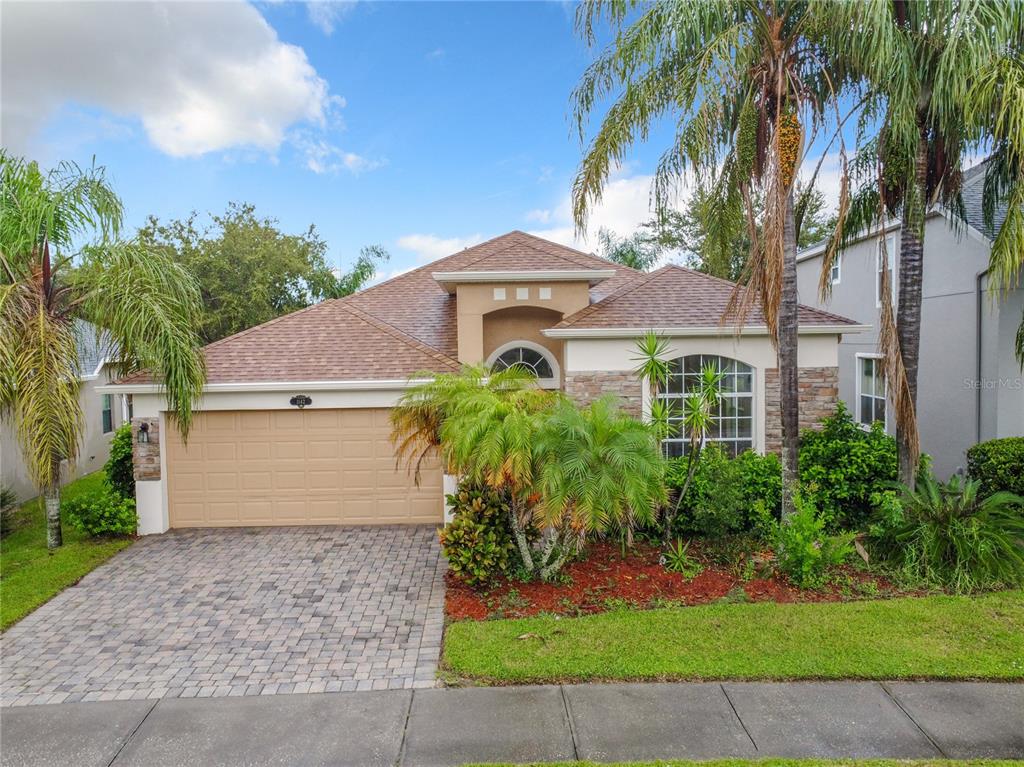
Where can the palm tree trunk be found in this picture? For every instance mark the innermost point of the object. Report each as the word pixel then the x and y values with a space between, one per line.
pixel 908 310
pixel 789 389
pixel 520 535
pixel 51 498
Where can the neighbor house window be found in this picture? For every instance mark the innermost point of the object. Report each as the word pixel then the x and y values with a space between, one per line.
pixel 836 272
pixel 733 425
pixel 108 414
pixel 870 390
pixel 528 356
pixel 890 255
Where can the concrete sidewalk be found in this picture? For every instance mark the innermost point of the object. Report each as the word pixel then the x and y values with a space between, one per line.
pixel 529 724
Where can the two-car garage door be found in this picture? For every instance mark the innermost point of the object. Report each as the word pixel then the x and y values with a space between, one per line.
pixel 294 467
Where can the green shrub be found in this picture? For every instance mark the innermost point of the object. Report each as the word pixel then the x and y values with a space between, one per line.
pixel 478 542
pixel 8 505
pixel 103 512
pixel 678 560
pixel 119 468
pixel 843 464
pixel 725 490
pixel 998 465
pixel 803 551
pixel 948 535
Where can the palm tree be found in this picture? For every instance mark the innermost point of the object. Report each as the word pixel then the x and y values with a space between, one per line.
pixel 949 77
pixel 743 81
pixel 143 302
pixel 599 468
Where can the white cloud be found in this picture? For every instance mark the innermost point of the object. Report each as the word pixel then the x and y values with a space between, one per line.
pixel 323 157
pixel 200 77
pixel 430 247
pixel 624 206
pixel 829 177
pixel 326 14
pixel 437 53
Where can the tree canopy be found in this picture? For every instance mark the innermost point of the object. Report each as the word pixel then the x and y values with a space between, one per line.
pixel 249 271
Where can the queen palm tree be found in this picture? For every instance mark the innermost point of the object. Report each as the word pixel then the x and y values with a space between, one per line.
pixel 745 82
pixel 948 78
pixel 144 304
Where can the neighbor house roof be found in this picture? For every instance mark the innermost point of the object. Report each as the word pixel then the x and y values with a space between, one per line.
pixel 95 347
pixel 972 187
pixel 676 297
pixel 406 325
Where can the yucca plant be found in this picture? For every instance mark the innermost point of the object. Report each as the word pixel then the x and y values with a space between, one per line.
pixel 147 305
pixel 599 469
pixel 945 534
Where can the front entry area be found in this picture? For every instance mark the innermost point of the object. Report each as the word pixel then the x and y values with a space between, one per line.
pixel 295 467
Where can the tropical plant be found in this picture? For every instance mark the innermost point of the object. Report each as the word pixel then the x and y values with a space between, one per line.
pixel 636 251
pixel 145 303
pixel 104 512
pixel 949 535
pixel 949 78
pixel 803 550
pixel 677 559
pixel 599 469
pixel 478 541
pixel 417 418
pixel 743 82
pixel 998 464
pixel 119 468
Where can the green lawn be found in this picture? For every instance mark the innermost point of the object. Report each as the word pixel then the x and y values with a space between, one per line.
pixel 937 637
pixel 29 574
pixel 786 763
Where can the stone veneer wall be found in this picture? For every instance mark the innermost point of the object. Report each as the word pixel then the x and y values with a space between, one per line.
pixel 819 393
pixel 146 456
pixel 586 387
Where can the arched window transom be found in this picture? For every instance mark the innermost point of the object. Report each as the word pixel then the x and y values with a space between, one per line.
pixel 733 425
pixel 526 358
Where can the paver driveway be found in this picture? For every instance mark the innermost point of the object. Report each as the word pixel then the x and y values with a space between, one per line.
pixel 254 611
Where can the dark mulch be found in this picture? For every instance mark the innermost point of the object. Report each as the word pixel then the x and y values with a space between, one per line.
pixel 602 578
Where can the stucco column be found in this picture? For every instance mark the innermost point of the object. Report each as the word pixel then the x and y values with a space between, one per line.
pixel 150 465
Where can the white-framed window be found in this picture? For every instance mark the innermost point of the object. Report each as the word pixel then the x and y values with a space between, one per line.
pixel 528 356
pixel 108 413
pixel 733 425
pixel 890 253
pixel 871 391
pixel 836 272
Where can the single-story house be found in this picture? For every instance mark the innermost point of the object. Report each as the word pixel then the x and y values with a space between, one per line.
pixel 103 412
pixel 293 424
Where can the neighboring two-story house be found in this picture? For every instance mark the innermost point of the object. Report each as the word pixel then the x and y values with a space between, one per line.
pixel 970 386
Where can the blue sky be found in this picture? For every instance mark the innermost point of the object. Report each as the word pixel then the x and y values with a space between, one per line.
pixel 419 126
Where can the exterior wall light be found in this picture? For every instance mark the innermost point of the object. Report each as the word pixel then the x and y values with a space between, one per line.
pixel 143 433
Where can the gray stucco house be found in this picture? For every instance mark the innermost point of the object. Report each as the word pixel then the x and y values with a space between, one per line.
pixel 103 413
pixel 970 386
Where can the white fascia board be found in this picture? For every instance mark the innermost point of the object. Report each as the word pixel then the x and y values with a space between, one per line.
pixel 750 330
pixel 271 386
pixel 448 280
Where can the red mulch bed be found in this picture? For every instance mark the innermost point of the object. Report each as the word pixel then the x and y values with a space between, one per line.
pixel 602 579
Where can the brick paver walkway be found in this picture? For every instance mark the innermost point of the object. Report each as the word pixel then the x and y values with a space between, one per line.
pixel 255 611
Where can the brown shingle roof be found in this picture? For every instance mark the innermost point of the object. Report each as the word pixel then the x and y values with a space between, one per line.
pixel 417 305
pixel 676 297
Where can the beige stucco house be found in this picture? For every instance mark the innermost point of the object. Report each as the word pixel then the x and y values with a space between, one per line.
pixel 103 412
pixel 254 457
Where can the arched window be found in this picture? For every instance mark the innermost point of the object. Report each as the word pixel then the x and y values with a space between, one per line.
pixel 528 356
pixel 733 424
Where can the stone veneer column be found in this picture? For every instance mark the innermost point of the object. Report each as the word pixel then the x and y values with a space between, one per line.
pixel 588 386
pixel 819 393
pixel 146 455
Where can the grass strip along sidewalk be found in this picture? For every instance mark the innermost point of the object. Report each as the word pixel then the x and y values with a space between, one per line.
pixel 29 574
pixel 935 637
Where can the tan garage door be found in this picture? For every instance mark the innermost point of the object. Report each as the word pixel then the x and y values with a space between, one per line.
pixel 292 467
